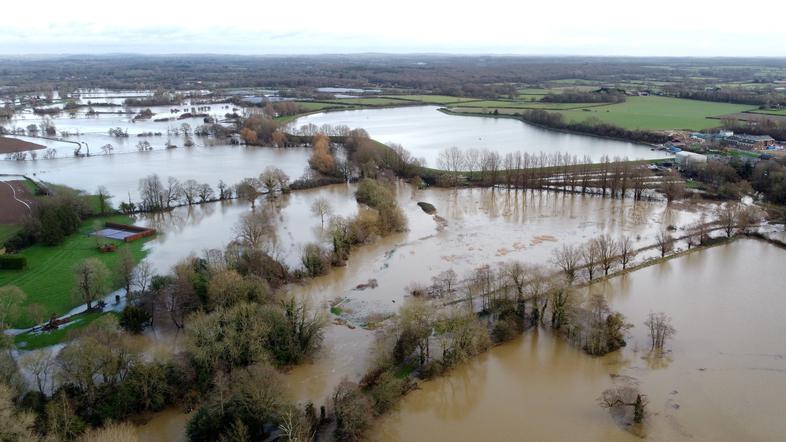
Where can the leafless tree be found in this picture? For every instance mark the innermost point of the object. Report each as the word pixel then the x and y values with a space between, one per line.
pixel 39 364
pixel 590 255
pixel 190 191
pixel 660 330
pixel 444 283
pixel 608 252
pixel 620 397
pixel 321 208
pixel 567 259
pixel 255 229
pixel 626 250
pixel 665 242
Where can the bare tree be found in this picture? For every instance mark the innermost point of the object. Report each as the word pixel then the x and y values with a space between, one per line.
pixel 444 283
pixel 590 254
pixel 727 217
pixel 665 242
pixel 40 365
pixel 143 275
pixel 91 276
pixel 205 193
pixel 626 250
pixel 608 252
pixel 255 229
pixel 672 187
pixel 172 192
pixel 190 191
pixel 620 397
pixel 567 259
pixel 125 269
pixel 660 329
pixel 321 208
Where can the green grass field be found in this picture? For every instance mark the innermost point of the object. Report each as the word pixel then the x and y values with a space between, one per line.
pixel 522 104
pixel 48 279
pixel 7 231
pixel 658 113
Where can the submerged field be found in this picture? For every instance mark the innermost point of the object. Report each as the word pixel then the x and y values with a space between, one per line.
pixel 721 378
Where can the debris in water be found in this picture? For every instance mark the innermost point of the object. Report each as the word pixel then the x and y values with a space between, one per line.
pixel 427 207
pixel 370 284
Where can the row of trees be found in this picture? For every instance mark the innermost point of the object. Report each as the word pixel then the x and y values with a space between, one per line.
pixel 617 177
pixel 158 196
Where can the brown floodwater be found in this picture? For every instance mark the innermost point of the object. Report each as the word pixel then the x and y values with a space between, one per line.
pixel 483 227
pixel 724 377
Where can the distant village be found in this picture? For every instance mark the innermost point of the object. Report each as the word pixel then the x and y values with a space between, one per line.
pixel 698 147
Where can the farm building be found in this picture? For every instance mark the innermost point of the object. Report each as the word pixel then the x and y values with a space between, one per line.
pixel 751 142
pixel 684 157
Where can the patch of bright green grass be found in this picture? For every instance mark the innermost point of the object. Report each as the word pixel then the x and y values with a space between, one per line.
pixel 658 113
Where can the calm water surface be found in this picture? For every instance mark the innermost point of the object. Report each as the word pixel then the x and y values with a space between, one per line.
pixel 425 131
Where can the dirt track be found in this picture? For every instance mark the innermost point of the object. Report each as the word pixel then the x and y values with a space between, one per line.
pixel 11 145
pixel 16 202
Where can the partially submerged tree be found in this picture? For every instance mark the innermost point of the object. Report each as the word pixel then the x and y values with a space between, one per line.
pixel 665 242
pixel 623 398
pixel 321 208
pixel 660 330
pixel 567 259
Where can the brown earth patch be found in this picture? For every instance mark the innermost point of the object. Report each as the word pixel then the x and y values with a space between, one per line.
pixel 11 145
pixel 16 202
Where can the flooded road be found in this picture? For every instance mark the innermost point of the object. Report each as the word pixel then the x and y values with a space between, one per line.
pixel 724 378
pixel 425 131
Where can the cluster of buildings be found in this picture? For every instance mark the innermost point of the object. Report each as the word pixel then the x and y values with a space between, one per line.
pixel 740 141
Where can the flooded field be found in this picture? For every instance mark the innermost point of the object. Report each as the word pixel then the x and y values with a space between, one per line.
pixel 722 380
pixel 425 131
pixel 120 173
pixel 483 227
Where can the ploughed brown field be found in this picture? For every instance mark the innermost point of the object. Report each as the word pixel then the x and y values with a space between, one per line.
pixel 11 145
pixel 15 202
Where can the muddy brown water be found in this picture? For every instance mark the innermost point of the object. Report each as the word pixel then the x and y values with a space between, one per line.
pixel 723 379
pixel 483 227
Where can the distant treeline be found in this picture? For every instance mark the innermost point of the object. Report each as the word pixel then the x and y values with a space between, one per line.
pixel 577 96
pixel 591 126
pixel 736 95
pixel 472 76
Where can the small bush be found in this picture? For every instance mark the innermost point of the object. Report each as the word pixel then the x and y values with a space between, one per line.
pixel 12 262
pixel 134 319
pixel 504 330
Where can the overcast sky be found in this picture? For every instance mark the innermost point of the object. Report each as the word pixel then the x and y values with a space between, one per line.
pixel 596 27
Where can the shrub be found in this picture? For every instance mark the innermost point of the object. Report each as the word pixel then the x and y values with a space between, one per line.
pixel 13 262
pixel 134 319
pixel 504 330
pixel 315 260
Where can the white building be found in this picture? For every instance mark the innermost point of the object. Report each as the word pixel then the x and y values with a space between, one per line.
pixel 684 158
